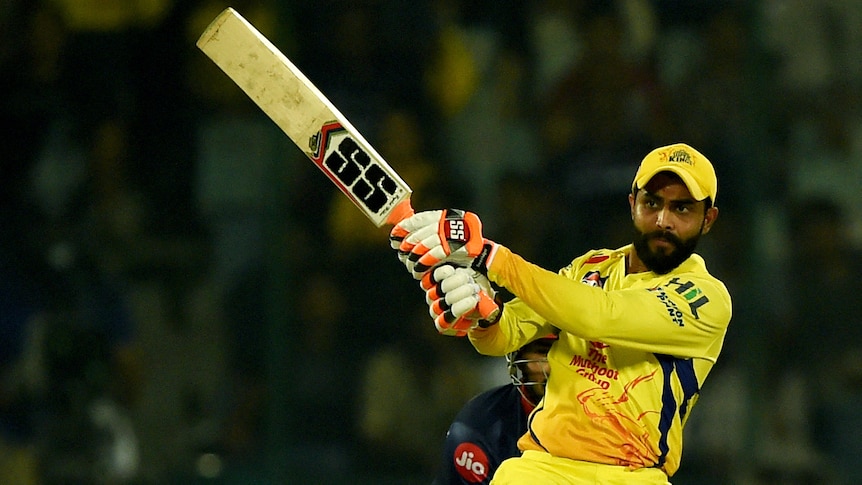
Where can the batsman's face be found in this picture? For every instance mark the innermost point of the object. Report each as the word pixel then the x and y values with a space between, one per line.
pixel 668 222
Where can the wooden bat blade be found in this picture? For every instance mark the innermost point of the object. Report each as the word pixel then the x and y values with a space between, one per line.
pixel 307 117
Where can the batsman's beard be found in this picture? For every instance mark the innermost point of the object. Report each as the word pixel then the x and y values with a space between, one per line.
pixel 658 261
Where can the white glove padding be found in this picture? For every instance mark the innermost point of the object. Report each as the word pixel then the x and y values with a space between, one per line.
pixel 427 220
pixel 457 302
pixel 430 238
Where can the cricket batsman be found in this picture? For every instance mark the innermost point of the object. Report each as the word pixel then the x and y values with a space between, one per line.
pixel 639 327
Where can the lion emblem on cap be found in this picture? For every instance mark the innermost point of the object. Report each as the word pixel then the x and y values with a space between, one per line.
pixel 680 156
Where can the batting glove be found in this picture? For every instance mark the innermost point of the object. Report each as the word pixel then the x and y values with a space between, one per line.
pixel 427 239
pixel 457 301
pixel 400 236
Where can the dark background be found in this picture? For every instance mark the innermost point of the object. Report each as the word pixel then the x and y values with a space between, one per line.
pixel 185 298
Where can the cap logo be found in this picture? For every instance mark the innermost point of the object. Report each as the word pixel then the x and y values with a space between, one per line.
pixel 680 156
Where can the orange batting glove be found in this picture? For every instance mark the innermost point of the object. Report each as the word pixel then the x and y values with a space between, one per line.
pixel 427 239
pixel 457 302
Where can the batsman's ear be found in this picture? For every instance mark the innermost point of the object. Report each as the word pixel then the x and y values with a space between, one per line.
pixel 709 219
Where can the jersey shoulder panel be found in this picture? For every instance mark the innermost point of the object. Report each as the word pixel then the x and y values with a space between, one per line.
pixel 486 410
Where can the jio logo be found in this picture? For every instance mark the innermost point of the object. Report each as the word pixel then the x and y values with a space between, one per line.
pixel 471 462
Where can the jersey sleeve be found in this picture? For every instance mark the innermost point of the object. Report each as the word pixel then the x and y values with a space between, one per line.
pixel 518 325
pixel 465 458
pixel 685 315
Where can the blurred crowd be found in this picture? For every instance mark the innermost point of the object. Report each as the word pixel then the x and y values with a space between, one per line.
pixel 184 297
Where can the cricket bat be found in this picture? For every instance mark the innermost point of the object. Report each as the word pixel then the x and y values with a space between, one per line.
pixel 307 117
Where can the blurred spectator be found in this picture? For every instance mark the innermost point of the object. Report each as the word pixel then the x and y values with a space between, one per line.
pixel 554 33
pixel 363 64
pixel 93 361
pixel 707 91
pixel 814 44
pixel 810 365
pixel 238 161
pixel 326 410
pixel 21 382
pixel 478 84
pixel 411 389
pixel 594 123
pixel 237 151
pixel 530 216
pixel 73 370
pixel 601 99
pixel 827 271
pixel 34 108
pixel 824 151
pixel 93 379
pixel 715 455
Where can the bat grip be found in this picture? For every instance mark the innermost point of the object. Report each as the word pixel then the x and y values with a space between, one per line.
pixel 401 211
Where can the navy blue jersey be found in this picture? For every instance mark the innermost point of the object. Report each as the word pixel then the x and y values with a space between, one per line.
pixel 484 433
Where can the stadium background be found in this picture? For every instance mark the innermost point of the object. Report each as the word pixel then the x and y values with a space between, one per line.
pixel 186 299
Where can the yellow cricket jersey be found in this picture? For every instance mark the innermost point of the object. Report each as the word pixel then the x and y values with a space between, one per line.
pixel 632 355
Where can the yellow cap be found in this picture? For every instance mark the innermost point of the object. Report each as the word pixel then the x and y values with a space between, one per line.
pixel 693 168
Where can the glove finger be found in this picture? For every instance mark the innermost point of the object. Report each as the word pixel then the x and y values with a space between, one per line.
pixel 444 272
pixel 412 223
pixel 412 256
pixel 463 324
pixel 439 307
pixel 409 265
pixel 436 257
pixel 424 246
pixel 432 279
pixel 421 219
pixel 403 258
pixel 433 257
pixel 396 236
pixel 428 282
pixel 461 292
pixel 415 238
pixel 433 295
pixel 458 277
pixel 463 306
pixel 444 328
pixel 486 307
pixel 458 328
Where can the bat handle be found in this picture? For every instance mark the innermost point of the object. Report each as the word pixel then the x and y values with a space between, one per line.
pixel 401 211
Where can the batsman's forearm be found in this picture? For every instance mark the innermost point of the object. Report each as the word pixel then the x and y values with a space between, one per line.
pixel 557 299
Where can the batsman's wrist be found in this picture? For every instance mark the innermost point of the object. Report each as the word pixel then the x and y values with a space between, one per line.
pixel 483 260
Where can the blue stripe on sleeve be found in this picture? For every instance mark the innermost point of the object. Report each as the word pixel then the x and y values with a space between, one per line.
pixel 684 369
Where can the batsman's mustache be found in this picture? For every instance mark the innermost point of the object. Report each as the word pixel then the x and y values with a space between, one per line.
pixel 664 235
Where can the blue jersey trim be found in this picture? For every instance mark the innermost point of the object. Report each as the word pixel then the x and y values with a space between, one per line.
pixel 684 369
